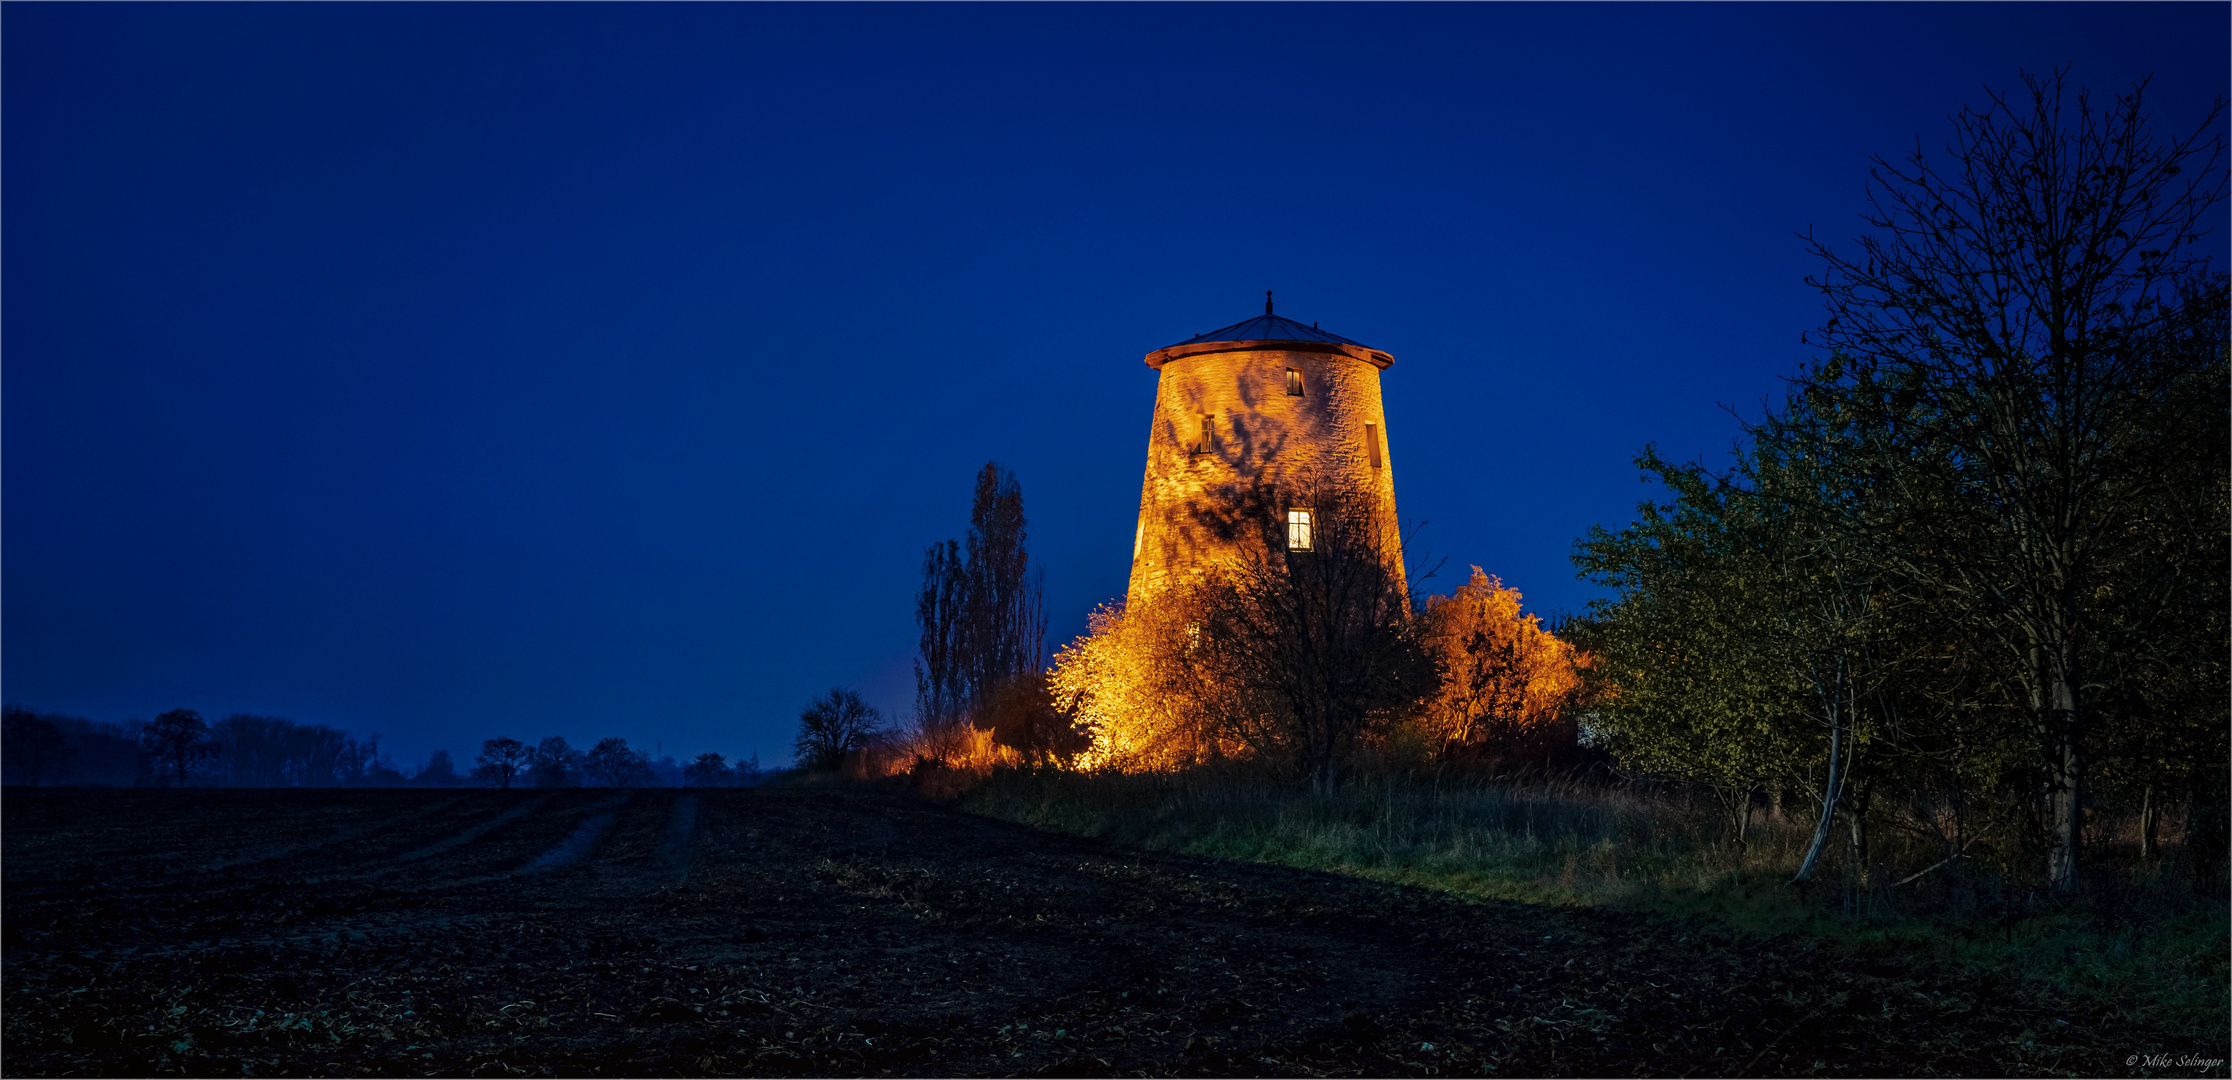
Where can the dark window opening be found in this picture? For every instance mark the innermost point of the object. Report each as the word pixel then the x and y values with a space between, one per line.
pixel 1371 443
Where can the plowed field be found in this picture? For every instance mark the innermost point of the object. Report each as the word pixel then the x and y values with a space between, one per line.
pixel 854 932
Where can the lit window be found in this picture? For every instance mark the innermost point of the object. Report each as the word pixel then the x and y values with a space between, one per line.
pixel 1294 383
pixel 1371 443
pixel 1208 434
pixel 1298 530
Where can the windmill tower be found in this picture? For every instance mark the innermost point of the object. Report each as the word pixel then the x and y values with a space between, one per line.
pixel 1266 407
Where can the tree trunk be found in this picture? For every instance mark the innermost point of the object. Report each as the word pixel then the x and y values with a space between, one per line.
pixel 2064 777
pixel 2150 811
pixel 1830 790
pixel 1856 819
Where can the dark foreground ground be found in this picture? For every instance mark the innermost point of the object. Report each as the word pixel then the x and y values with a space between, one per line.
pixel 652 933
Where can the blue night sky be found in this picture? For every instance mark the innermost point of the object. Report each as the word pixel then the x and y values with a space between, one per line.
pixel 454 371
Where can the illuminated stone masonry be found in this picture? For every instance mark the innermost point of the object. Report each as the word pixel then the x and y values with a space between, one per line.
pixel 1263 405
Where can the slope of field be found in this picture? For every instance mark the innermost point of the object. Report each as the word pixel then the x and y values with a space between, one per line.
pixel 850 932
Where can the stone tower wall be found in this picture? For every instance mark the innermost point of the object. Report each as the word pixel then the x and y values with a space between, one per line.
pixel 1259 434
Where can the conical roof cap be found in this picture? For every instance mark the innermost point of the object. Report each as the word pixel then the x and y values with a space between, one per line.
pixel 1270 328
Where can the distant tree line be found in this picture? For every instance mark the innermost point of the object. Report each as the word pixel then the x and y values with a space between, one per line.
pixel 506 762
pixel 178 748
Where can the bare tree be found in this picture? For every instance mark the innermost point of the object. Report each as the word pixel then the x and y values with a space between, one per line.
pixel 554 763
pixel 833 725
pixel 612 764
pixel 941 666
pixel 1006 611
pixel 1301 650
pixel 179 739
pixel 2003 348
pixel 501 761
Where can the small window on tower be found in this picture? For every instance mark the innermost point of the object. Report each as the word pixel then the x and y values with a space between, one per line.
pixel 1371 443
pixel 1294 383
pixel 1298 529
pixel 1208 434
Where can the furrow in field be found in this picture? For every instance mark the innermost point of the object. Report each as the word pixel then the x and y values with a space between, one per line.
pixel 384 824
pixel 578 844
pixel 679 849
pixel 475 832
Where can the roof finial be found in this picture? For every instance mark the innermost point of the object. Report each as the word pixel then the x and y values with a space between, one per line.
pixel 1267 301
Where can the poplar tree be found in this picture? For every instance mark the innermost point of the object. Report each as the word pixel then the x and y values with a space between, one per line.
pixel 981 610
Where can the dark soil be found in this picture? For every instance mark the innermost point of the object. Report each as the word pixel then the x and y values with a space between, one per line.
pixel 853 932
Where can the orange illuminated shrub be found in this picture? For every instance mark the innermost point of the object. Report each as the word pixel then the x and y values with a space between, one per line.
pixel 1502 674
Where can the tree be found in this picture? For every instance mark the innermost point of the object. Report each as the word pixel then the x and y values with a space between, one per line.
pixel 747 772
pixel 709 770
pixel 1503 675
pixel 179 741
pixel 981 610
pixel 2010 355
pixel 109 753
pixel 272 751
pixel 1292 659
pixel 440 771
pixel 1005 612
pixel 554 763
pixel 1691 680
pixel 1123 684
pixel 32 746
pixel 1300 655
pixel 1021 715
pixel 833 725
pixel 502 760
pixel 612 764
pixel 942 667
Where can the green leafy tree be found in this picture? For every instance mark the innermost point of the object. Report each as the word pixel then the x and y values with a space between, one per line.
pixel 1693 675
